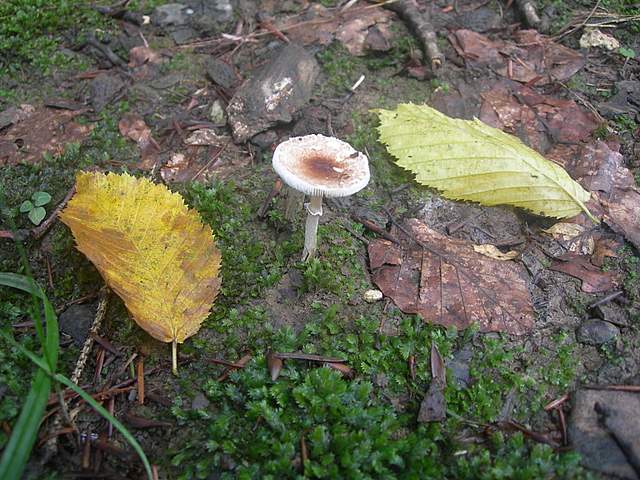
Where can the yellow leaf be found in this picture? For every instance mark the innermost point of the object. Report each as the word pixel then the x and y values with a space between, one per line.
pixel 492 251
pixel 469 160
pixel 151 250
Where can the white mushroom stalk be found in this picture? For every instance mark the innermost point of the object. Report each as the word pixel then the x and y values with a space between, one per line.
pixel 320 166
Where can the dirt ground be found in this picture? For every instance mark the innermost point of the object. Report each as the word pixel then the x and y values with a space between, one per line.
pixel 136 99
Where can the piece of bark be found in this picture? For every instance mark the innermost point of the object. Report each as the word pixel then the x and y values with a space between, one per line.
pixel 273 94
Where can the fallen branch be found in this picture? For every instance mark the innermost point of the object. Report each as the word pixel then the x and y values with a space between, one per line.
pixel 420 24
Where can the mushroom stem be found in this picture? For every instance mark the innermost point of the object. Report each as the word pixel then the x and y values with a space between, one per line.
pixel 314 212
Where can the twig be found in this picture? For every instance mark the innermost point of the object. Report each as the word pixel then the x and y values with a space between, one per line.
pixel 105 51
pixel 606 299
pixel 372 227
pixel 570 30
pixel 140 376
pixel 52 445
pixel 552 405
pixel 307 357
pixel 275 191
pixel 420 23
pixel 618 388
pixel 210 162
pixel 239 364
pixel 354 233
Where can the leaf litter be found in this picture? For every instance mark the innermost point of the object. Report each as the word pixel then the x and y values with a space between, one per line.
pixel 445 281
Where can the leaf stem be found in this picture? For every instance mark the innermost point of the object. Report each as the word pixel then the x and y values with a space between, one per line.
pixel 174 357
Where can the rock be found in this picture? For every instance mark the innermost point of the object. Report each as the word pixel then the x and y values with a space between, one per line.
pixel 103 89
pixel 595 441
pixel 76 321
pixel 199 401
pixel 626 100
pixel 265 139
pixel 372 296
pixel 183 35
pixel 611 313
pixel 216 113
pixel 274 93
pixel 596 332
pixel 221 73
pixel 171 14
pixel 459 367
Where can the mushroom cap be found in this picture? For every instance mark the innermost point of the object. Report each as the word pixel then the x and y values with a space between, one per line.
pixel 319 165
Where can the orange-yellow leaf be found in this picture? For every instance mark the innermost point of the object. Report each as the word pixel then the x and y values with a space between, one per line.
pixel 151 249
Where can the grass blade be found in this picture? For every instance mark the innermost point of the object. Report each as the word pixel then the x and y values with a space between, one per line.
pixel 114 421
pixel 25 431
pixel 21 282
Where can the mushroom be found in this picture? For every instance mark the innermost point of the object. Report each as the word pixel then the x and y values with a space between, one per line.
pixel 319 166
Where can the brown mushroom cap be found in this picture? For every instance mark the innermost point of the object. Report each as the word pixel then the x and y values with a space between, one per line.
pixel 319 165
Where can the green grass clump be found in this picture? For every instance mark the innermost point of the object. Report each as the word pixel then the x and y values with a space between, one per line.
pixel 31 30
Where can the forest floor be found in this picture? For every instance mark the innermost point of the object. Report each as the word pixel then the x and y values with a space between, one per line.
pixel 74 81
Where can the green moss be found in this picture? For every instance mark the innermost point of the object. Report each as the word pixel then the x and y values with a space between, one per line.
pixel 31 30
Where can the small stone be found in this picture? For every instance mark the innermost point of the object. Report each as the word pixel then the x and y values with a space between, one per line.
pixel 595 443
pixel 611 313
pixel 171 14
pixel 596 332
pixel 216 114
pixel 199 401
pixel 221 73
pixel 183 35
pixel 265 139
pixel 459 367
pixel 103 89
pixel 372 296
pixel 274 93
pixel 76 321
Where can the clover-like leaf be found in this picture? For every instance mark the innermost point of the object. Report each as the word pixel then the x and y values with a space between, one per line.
pixel 26 206
pixel 36 215
pixel 40 198
pixel 152 250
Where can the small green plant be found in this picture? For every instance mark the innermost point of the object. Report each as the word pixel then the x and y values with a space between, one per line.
pixel 34 208
pixel 627 52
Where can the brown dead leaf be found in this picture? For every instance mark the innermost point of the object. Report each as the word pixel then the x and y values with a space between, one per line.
pixel 43 130
pixel 593 279
pixel 574 237
pixel 434 405
pixel 370 25
pixel 532 57
pixel 358 30
pixel 494 252
pixel 599 167
pixel 448 283
pixel 274 364
pixel 139 56
pixel 345 370
pixel 539 120
pixel 605 247
pixel 132 126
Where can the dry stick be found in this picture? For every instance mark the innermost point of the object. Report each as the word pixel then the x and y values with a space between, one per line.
pixel 275 191
pixel 420 23
pixel 606 299
pixel 528 10
pixel 570 30
pixel 52 445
